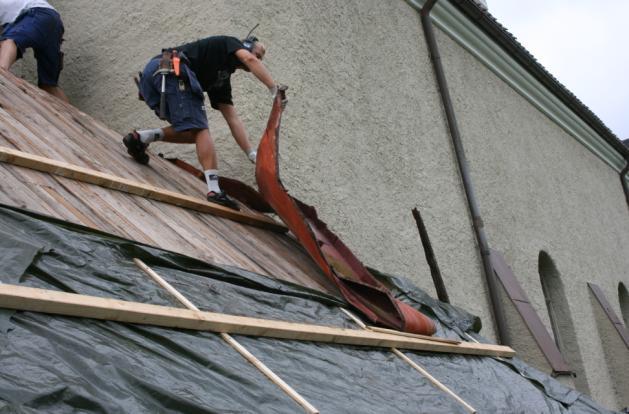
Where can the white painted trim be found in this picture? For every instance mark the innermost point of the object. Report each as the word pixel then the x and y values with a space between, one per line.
pixel 463 31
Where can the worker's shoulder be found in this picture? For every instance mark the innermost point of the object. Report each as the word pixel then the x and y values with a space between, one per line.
pixel 222 38
pixel 215 40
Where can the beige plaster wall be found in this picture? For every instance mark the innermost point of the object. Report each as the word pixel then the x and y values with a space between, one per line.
pixel 539 189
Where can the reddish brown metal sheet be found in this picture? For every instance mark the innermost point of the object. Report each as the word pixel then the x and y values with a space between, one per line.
pixel 361 289
pixel 234 188
pixel 530 317
pixel 609 311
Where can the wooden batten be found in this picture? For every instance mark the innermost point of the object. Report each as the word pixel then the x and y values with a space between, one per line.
pixel 69 304
pixel 309 408
pixel 113 182
pixel 412 335
pixel 434 381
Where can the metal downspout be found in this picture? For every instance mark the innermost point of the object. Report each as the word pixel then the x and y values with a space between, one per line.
pixel 490 277
pixel 623 173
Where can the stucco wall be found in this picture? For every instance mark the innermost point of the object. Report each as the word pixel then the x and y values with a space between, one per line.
pixel 539 189
pixel 364 140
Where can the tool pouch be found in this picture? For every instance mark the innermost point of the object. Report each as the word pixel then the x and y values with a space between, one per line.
pixel 166 62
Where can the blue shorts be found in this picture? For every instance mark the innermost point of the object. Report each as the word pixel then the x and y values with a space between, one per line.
pixel 41 29
pixel 185 108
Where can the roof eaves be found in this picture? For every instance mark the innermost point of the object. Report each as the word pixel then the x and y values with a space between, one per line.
pixel 509 43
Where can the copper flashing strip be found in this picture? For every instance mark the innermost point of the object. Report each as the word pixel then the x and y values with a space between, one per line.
pixel 234 188
pixel 357 285
pixel 609 311
pixel 87 175
pixel 529 316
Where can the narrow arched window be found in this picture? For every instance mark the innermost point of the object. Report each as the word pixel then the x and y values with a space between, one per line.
pixel 561 320
pixel 553 289
pixel 623 298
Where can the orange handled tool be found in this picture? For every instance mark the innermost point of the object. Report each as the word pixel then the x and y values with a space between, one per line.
pixel 176 61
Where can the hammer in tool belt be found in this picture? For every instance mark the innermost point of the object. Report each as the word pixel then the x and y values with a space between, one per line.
pixel 169 63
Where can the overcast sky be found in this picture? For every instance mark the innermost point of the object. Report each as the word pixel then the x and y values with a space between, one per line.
pixel 583 43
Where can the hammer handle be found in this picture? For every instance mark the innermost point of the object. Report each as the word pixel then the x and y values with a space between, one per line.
pixel 162 99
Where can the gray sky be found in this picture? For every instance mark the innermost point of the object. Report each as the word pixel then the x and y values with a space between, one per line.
pixel 583 43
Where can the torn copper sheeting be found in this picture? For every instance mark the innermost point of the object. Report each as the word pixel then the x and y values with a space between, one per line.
pixel 234 188
pixel 354 281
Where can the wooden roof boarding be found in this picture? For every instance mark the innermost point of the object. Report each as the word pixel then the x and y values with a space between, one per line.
pixel 58 161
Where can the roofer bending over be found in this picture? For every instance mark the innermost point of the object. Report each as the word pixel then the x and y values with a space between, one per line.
pixel 35 24
pixel 184 73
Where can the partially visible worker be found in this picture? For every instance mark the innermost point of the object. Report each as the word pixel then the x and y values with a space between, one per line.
pixel 33 24
pixel 204 65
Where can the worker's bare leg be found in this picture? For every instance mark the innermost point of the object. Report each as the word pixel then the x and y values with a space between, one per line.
pixel 8 53
pixel 55 91
pixel 205 150
pixel 203 140
pixel 183 137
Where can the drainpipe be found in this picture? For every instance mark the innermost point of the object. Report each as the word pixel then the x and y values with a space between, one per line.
pixel 490 277
pixel 623 174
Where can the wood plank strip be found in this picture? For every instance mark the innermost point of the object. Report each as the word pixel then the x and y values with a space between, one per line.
pixel 279 259
pixel 134 217
pixel 133 187
pixel 83 140
pixel 412 335
pixel 70 304
pixel 79 216
pixel 44 140
pixel 175 224
pixel 434 381
pixel 113 211
pixel 16 193
pixel 43 188
pixel 233 236
pixel 310 409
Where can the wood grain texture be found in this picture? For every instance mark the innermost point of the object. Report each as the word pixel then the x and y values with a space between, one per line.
pixel 113 182
pixel 70 304
pixel 36 123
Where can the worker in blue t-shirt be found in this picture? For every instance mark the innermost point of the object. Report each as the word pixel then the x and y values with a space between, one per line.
pixel 206 66
pixel 33 24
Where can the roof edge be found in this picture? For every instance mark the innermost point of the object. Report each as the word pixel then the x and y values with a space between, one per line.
pixel 481 35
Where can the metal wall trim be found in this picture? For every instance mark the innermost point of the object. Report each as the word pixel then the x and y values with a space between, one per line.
pixel 609 311
pixel 530 317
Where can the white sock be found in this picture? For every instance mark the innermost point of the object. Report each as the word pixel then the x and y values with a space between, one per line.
pixel 150 135
pixel 211 177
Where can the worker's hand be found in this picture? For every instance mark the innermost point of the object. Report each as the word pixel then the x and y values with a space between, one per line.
pixel 252 156
pixel 274 90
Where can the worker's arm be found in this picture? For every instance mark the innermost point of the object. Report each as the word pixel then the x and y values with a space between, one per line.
pixel 237 129
pixel 256 67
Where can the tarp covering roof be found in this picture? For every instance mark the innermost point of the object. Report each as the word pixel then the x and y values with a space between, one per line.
pixel 59 364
